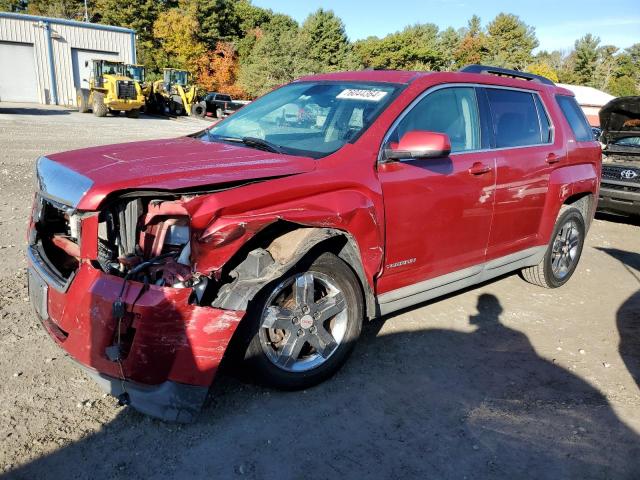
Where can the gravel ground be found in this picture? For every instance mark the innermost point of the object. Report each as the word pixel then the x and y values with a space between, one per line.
pixel 506 380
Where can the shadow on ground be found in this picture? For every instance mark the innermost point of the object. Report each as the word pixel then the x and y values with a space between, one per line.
pixel 628 315
pixel 624 219
pixel 35 110
pixel 428 404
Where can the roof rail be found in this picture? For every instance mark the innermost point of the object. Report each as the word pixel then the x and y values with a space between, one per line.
pixel 505 72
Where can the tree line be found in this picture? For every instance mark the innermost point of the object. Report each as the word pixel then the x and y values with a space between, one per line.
pixel 235 47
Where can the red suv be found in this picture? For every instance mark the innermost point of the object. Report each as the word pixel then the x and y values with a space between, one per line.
pixel 147 259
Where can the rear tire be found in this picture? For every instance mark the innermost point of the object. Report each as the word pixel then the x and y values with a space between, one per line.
pixel 134 113
pixel 563 252
pixel 82 99
pixel 99 108
pixel 315 314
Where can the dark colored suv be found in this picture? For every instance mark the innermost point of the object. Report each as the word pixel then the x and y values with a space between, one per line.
pixel 620 122
pixel 148 259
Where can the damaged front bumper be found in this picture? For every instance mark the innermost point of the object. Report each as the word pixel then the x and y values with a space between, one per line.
pixel 171 348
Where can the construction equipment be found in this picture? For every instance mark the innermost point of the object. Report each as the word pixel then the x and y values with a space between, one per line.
pixel 176 94
pixel 138 73
pixel 110 90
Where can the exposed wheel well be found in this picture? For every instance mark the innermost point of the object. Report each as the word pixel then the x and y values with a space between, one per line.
pixel 585 202
pixel 278 248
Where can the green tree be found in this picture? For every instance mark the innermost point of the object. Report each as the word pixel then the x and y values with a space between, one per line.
pixel 18 6
pixel 448 43
pixel 605 67
pixel 586 59
pixel 543 69
pixel 414 48
pixel 139 16
pixel 323 39
pixel 623 86
pixel 472 46
pixel 272 62
pixel 250 16
pixel 219 21
pixel 72 9
pixel 510 42
pixel 176 30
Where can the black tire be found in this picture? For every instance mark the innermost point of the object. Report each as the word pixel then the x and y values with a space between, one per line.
pixel 199 110
pixel 99 108
pixel 557 266
pixel 219 113
pixel 265 370
pixel 133 113
pixel 82 99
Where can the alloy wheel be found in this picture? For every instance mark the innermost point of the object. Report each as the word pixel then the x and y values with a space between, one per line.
pixel 565 249
pixel 304 322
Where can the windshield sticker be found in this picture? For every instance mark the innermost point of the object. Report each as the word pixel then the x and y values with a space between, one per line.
pixel 357 94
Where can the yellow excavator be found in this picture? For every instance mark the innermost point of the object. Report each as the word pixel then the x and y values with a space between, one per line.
pixel 176 94
pixel 111 89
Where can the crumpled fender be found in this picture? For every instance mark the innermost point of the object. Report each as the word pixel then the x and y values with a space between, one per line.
pixel 347 210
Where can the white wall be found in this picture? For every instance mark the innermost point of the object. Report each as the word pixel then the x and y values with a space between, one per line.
pixel 31 30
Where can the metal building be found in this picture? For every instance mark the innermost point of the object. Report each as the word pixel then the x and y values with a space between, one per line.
pixel 44 60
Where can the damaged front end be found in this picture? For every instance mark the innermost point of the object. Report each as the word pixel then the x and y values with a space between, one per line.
pixel 116 289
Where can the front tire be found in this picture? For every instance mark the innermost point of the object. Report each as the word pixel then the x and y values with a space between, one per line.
pixel 99 108
pixel 82 99
pixel 199 110
pixel 563 252
pixel 304 325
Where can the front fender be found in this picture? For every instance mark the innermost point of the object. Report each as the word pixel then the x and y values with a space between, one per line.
pixel 349 211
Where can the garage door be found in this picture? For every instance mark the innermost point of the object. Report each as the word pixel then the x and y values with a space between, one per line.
pixel 18 81
pixel 81 60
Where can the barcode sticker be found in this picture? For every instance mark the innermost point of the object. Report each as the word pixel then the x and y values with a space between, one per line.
pixel 357 94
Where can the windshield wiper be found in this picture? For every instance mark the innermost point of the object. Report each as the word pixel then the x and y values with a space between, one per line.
pixel 261 143
pixel 249 142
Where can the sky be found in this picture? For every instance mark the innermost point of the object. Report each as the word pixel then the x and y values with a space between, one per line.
pixel 558 23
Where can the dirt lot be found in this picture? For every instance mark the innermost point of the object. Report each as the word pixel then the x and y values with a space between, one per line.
pixel 502 381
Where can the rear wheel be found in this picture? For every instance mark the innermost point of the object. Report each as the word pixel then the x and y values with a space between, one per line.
pixel 82 100
pixel 99 108
pixel 563 251
pixel 305 325
pixel 133 113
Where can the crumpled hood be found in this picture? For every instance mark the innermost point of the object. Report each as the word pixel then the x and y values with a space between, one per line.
pixel 180 163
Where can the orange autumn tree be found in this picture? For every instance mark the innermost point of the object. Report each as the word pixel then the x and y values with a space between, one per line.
pixel 217 71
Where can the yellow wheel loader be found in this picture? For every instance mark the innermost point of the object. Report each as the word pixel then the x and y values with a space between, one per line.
pixel 138 73
pixel 176 94
pixel 110 90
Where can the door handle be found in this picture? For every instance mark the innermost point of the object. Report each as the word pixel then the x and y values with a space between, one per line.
pixel 552 158
pixel 479 169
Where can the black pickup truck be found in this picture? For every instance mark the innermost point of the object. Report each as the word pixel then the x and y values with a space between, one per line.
pixel 220 105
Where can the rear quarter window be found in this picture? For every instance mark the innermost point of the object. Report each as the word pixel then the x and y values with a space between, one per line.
pixel 575 117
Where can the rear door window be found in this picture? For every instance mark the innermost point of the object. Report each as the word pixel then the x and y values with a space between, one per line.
pixel 515 118
pixel 575 117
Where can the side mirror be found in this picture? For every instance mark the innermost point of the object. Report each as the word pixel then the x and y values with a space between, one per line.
pixel 420 144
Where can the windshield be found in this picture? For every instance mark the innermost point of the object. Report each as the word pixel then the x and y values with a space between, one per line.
pixel 112 68
pixel 627 142
pixel 308 118
pixel 179 77
pixel 136 72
